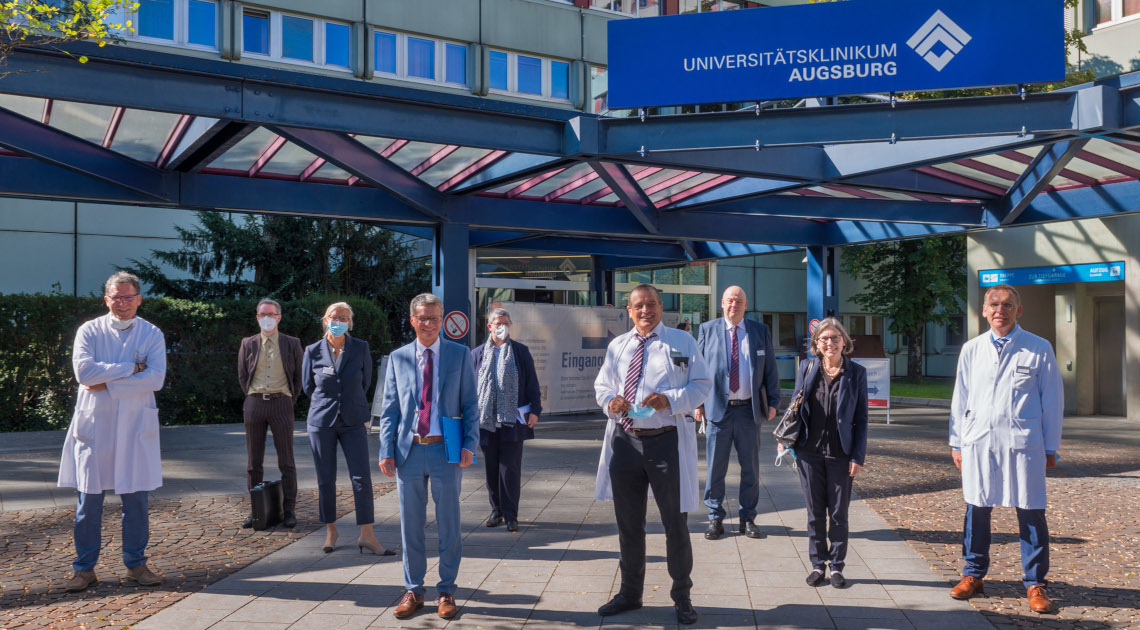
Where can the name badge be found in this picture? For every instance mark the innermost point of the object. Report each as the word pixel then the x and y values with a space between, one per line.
pixel 679 360
pixel 1023 369
pixel 760 353
pixel 328 370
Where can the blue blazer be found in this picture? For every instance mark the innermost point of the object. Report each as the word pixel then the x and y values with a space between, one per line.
pixel 457 398
pixel 850 408
pixel 342 391
pixel 765 386
pixel 529 392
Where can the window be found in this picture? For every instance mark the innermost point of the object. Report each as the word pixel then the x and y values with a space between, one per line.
pixel 420 59
pixel 642 8
pixel 337 44
pixel 599 89
pixel 187 23
pixel 1110 11
pixel 528 75
pixel 956 330
pixel 297 39
pixel 255 32
pixel 786 330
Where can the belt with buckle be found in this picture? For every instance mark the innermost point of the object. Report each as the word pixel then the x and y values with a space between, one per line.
pixel 270 396
pixel 651 432
pixel 428 439
pixel 740 403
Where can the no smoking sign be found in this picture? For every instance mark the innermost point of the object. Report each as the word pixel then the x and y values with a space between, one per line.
pixel 455 325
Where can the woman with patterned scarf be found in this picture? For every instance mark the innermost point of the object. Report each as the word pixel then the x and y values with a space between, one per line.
pixel 509 405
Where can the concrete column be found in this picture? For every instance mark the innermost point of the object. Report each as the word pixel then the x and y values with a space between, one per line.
pixel 451 272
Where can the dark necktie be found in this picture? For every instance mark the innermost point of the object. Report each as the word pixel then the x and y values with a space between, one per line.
pixel 633 375
pixel 424 424
pixel 734 364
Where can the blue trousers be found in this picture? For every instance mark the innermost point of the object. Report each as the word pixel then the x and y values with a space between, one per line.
pixel 427 463
pixel 1033 533
pixel 737 428
pixel 89 529
pixel 353 441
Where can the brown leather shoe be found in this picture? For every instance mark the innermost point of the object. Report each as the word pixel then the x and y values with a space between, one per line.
pixel 1039 601
pixel 408 605
pixel 968 587
pixel 143 575
pixel 447 608
pixel 80 581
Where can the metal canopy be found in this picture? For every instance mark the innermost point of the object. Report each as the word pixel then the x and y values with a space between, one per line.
pixel 154 129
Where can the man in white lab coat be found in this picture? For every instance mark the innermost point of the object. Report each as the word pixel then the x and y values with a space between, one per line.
pixel 112 443
pixel 652 378
pixel 1005 430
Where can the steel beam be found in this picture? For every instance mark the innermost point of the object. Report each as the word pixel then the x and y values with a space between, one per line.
pixel 595 246
pixel 1082 203
pixel 851 232
pixel 832 208
pixel 1048 163
pixel 800 163
pixel 33 138
pixel 512 168
pixel 450 274
pixel 627 189
pixel 205 141
pixel 718 249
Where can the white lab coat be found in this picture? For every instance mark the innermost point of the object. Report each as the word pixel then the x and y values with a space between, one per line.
pixel 687 390
pixel 1006 413
pixel 112 443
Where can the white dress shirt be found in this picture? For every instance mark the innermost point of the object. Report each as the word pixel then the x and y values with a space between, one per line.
pixel 654 377
pixel 745 390
pixel 420 359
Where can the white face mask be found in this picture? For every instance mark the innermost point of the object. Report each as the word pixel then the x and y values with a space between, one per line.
pixel 267 323
pixel 501 332
pixel 121 324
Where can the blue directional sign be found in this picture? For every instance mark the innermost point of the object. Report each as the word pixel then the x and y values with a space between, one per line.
pixel 833 48
pixel 1094 272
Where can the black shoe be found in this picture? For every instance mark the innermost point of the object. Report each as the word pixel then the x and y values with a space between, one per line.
pixel 815 578
pixel 512 526
pixel 619 604
pixel 715 530
pixel 290 520
pixel 494 521
pixel 248 522
pixel 837 580
pixel 749 529
pixel 686 614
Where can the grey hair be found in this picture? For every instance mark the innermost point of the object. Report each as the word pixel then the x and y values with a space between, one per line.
pixel 121 277
pixel 831 322
pixel 424 299
pixel 335 305
pixel 644 287
pixel 499 312
pixel 1003 287
pixel 275 304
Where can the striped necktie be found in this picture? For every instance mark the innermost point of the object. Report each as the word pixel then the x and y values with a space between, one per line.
pixel 734 364
pixel 999 343
pixel 423 425
pixel 633 376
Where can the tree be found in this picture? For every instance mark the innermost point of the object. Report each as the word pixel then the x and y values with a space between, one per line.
pixel 290 258
pixel 913 283
pixel 52 23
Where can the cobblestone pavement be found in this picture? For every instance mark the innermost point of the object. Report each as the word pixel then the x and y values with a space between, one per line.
pixel 1093 515
pixel 194 541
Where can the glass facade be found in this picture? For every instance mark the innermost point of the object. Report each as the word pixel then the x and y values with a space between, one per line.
pixel 338 41
pixel 255 32
pixel 456 62
pixel 559 79
pixel 156 19
pixel 530 75
pixel 203 23
pixel 385 52
pixel 499 71
pixel 296 38
pixel 421 58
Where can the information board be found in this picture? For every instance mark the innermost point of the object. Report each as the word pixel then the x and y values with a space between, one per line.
pixel 878 383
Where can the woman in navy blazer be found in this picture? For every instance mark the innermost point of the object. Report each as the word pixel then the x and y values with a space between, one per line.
pixel 336 372
pixel 832 444
pixel 502 442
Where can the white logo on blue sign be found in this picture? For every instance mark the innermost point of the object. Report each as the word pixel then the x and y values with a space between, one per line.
pixel 939 29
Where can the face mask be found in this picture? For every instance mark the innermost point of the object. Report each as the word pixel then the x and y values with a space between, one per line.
pixel 338 328
pixel 501 332
pixel 638 412
pixel 121 324
pixel 267 323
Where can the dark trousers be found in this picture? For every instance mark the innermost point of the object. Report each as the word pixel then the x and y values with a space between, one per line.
pixel 637 465
pixel 353 441
pixel 827 489
pixel 275 415
pixel 1033 533
pixel 503 461
pixel 737 428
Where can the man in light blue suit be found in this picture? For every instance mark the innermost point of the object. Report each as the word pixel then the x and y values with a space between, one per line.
pixel 426 381
pixel 746 391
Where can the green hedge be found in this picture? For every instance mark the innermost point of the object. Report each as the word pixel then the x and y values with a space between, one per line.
pixel 37 384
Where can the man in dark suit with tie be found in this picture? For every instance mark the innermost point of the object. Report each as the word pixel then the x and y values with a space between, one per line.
pixel 269 372
pixel 746 390
pixel 428 382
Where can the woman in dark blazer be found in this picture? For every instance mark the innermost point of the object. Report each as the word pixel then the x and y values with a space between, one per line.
pixel 508 393
pixel 832 444
pixel 336 372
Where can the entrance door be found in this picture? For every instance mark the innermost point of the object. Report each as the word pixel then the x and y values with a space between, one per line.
pixel 1108 351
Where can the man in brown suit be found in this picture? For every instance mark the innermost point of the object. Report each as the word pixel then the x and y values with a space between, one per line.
pixel 269 372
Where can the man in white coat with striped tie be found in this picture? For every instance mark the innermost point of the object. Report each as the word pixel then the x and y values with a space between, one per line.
pixel 653 376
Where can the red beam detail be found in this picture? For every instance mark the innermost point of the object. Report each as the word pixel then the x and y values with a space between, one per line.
pixel 173 140
pixel 858 192
pixel 638 176
pixel 532 182
pixel 581 181
pixel 274 147
pixel 1110 164
pixel 696 190
pixel 1066 173
pixel 45 118
pixel 434 159
pixel 958 179
pixel 988 169
pixel 313 167
pixel 676 179
pixel 480 164
pixel 391 149
pixel 113 127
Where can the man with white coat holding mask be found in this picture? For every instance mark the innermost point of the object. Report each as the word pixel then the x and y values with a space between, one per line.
pixel 112 444
pixel 269 372
pixel 1005 430
pixel 653 376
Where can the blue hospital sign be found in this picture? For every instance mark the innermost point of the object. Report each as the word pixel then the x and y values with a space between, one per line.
pixel 828 49
pixel 1093 272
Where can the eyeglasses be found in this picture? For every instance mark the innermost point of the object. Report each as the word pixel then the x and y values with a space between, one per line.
pixel 122 299
pixel 831 339
pixel 428 320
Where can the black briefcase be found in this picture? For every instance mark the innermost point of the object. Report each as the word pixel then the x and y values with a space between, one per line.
pixel 266 500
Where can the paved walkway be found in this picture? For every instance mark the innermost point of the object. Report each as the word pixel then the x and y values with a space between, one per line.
pixel 554 572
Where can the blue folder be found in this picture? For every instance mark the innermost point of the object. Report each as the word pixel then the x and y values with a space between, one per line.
pixel 453 438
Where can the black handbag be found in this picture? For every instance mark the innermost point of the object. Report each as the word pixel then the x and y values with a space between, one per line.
pixel 266 500
pixel 787 430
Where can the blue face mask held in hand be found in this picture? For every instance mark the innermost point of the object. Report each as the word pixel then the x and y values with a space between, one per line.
pixel 638 412
pixel 338 328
